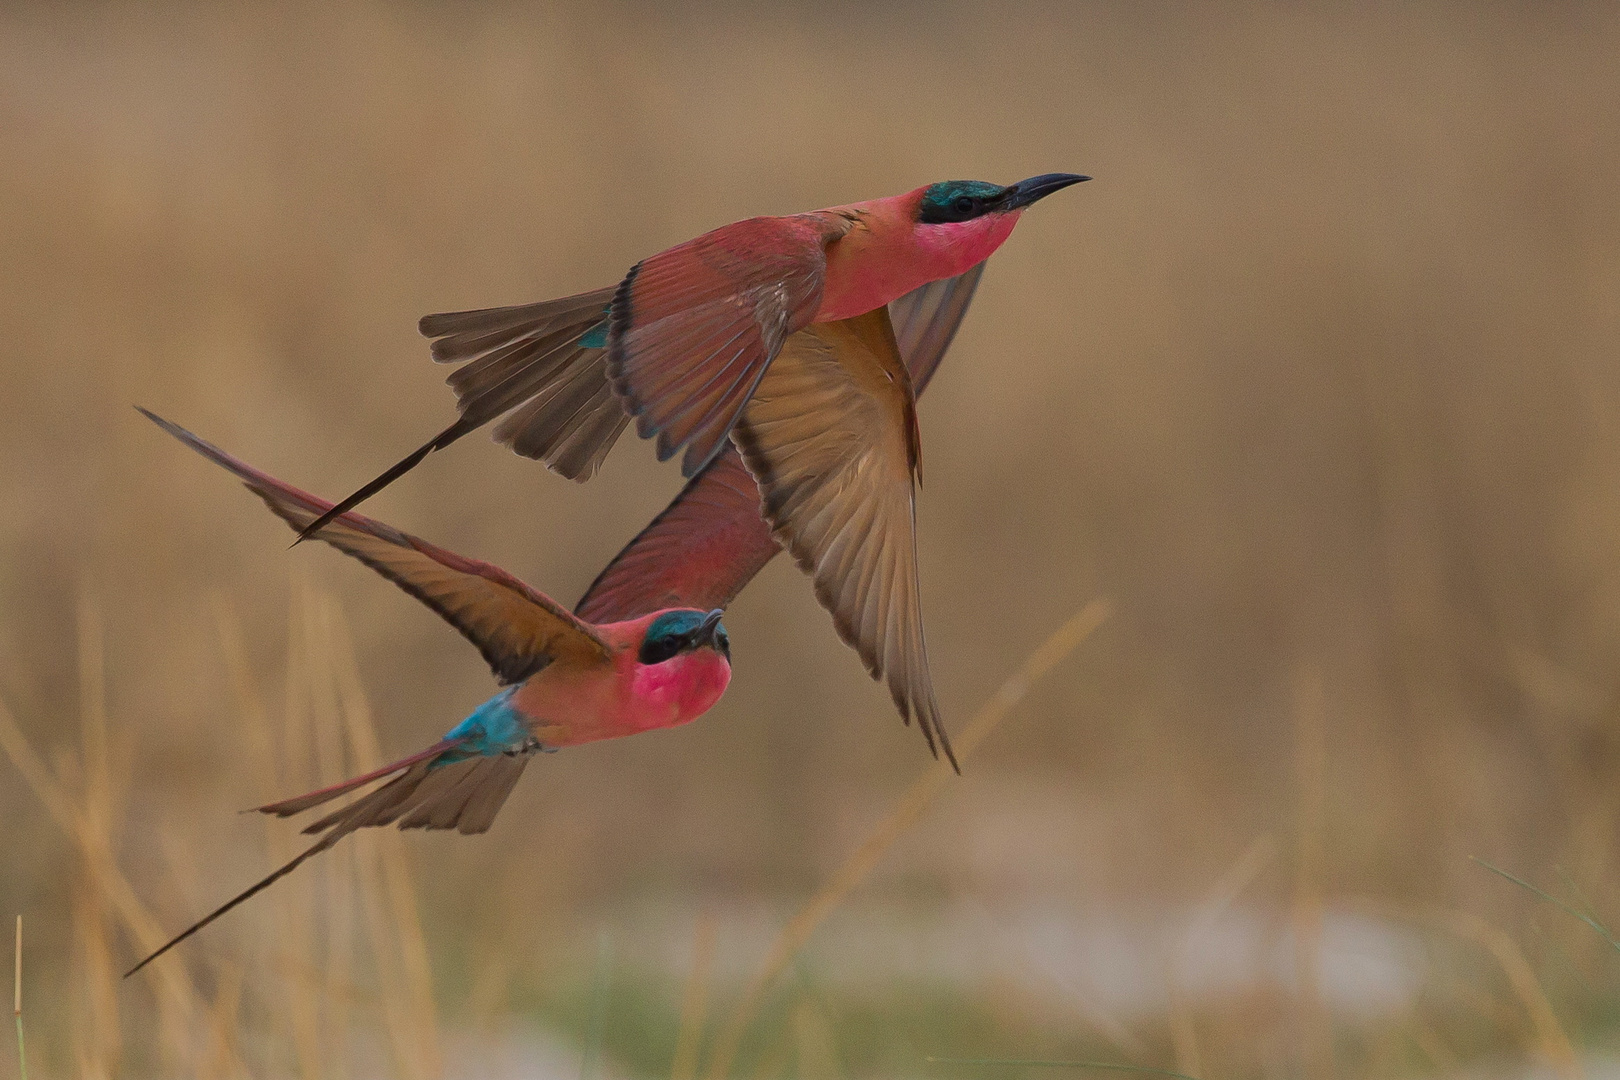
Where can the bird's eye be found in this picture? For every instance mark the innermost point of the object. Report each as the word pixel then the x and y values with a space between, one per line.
pixel 966 204
pixel 657 650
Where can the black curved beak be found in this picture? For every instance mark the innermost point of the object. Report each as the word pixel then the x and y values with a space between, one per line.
pixel 704 634
pixel 1024 192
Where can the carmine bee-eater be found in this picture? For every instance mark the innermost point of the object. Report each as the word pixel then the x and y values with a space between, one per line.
pixel 774 332
pixel 568 681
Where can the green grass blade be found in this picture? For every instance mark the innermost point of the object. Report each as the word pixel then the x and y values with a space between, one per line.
pixel 1602 930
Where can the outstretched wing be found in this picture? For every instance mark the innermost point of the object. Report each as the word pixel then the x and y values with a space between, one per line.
pixel 711 541
pixel 926 320
pixel 693 328
pixel 518 629
pixel 831 436
pixel 698 553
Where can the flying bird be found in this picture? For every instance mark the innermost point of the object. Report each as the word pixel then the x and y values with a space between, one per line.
pixel 567 680
pixel 680 344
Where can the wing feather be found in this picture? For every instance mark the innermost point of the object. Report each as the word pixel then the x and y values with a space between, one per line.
pixel 694 327
pixel 829 436
pixel 518 629
pixel 711 540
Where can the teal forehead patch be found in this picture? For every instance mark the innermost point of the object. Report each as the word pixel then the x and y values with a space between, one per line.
pixel 945 192
pixel 675 622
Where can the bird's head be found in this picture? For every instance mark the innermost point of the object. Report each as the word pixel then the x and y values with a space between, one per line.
pixel 683 630
pixel 960 223
pixel 953 201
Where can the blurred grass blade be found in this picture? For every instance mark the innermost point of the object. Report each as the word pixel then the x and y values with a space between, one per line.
pixel 694 1001
pixel 1548 1034
pixel 16 1004
pixel 411 996
pixel 178 1001
pixel 597 1025
pixel 1602 930
pixel 1586 903
pixel 1037 1063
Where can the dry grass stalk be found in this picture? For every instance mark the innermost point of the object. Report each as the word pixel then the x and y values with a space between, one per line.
pixel 341 869
pixel 301 921
pixel 294 933
pixel 98 1043
pixel 101 1043
pixel 1314 1030
pixel 1250 863
pixel 694 1001
pixel 16 1003
pixel 177 998
pixel 1548 1037
pixel 328 718
pixel 388 867
pixel 89 827
pixel 912 804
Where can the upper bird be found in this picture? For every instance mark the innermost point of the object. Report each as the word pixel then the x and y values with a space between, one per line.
pixel 568 681
pixel 681 343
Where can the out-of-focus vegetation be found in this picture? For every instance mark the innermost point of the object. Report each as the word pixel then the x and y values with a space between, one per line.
pixel 1318 383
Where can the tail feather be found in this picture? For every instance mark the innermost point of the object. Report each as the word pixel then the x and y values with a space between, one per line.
pixel 314 849
pixel 289 807
pixel 464 795
pixel 464 334
pixel 512 356
pixel 484 803
pixel 389 475
pixel 438 803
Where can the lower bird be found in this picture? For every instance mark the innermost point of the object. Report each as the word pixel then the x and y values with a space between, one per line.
pixel 567 681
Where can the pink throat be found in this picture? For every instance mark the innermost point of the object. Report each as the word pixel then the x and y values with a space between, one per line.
pixel 679 690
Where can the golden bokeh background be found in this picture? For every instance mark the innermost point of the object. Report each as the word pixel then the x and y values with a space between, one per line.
pixel 1318 384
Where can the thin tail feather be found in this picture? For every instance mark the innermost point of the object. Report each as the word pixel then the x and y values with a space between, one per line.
pixel 289 807
pixel 512 355
pixel 314 849
pixel 463 795
pixel 394 472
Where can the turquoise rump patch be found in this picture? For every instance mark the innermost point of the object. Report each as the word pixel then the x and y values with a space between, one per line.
pixel 595 337
pixel 495 727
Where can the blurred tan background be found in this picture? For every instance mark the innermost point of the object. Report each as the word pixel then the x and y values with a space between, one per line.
pixel 1317 383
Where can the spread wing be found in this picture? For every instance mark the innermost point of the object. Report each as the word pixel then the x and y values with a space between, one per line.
pixel 926 319
pixel 698 553
pixel 831 437
pixel 518 629
pixel 711 541
pixel 693 328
